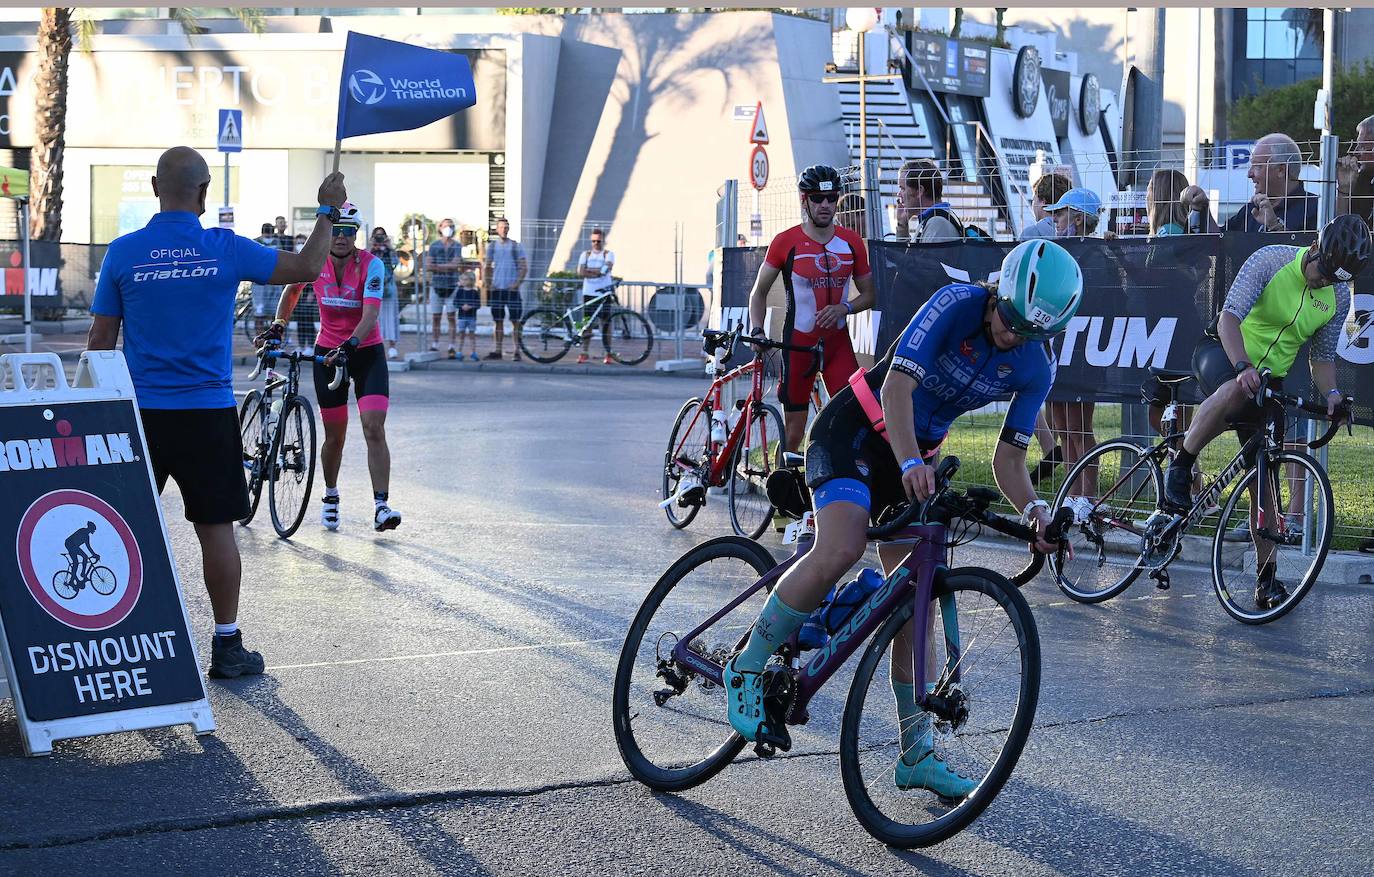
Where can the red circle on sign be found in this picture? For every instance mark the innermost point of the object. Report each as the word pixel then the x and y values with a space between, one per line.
pixel 758 167
pixel 24 548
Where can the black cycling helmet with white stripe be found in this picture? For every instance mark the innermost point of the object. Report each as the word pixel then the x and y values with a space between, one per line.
pixel 819 178
pixel 1344 247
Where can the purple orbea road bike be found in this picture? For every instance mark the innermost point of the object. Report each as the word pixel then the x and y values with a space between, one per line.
pixel 979 681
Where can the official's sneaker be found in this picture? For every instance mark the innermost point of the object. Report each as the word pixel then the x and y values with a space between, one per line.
pixel 229 659
pixel 608 360
pixel 329 513
pixel 386 518
pixel 1269 592
pixel 932 774
pixel 744 706
pixel 495 354
pixel 1178 489
pixel 515 355
pixel 582 359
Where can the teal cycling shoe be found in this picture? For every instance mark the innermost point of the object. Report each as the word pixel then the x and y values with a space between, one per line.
pixel 744 690
pixel 931 773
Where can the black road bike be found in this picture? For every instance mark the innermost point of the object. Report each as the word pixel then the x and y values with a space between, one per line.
pixel 277 429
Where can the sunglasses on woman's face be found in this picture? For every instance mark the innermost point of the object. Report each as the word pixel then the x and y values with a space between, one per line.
pixel 343 231
pixel 823 197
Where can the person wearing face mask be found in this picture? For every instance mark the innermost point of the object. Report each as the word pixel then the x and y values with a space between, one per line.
pixel 390 320
pixel 178 324
pixel 815 261
pixel 445 263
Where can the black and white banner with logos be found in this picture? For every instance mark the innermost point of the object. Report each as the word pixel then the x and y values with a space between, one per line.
pixel 1146 303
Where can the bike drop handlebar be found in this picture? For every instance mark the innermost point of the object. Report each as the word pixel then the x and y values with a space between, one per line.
pixel 971 505
pixel 715 340
pixel 269 353
pixel 1342 415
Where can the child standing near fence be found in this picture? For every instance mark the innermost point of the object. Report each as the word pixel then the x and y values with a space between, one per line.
pixel 467 300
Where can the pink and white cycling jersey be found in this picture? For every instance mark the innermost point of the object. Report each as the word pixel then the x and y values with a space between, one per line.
pixel 341 299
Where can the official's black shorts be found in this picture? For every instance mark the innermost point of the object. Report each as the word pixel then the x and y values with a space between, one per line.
pixel 843 444
pixel 506 300
pixel 199 449
pixel 367 372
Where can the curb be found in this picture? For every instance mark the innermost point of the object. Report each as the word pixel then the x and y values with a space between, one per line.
pixel 1340 567
pixel 598 370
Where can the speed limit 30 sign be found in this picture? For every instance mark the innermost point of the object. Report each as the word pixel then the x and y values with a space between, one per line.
pixel 758 167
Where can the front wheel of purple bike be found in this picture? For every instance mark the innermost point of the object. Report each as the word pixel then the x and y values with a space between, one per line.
pixel 916 778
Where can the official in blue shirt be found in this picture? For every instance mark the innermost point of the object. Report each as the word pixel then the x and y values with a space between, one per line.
pixel 172 286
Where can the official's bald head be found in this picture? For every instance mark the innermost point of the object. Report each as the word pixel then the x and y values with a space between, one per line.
pixel 181 176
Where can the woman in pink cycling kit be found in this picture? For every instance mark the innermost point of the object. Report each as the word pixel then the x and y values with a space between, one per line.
pixel 349 291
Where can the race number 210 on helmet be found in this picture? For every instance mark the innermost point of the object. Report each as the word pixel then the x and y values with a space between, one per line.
pixel 1040 289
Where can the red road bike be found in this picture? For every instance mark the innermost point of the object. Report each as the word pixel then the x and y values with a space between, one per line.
pixel 730 446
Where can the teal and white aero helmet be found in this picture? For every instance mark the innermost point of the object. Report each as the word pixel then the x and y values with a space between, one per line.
pixel 1040 289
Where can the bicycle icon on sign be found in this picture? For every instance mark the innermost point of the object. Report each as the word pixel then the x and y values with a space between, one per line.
pixel 82 569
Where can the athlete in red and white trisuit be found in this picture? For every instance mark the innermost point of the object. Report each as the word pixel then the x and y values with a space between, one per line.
pixel 816 260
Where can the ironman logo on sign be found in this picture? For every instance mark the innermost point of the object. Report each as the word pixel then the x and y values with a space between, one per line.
pixel 79 559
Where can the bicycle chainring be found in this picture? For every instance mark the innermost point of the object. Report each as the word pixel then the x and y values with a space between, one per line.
pixel 1161 541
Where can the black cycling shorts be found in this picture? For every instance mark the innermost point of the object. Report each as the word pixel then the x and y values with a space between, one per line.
pixel 199 449
pixel 367 372
pixel 843 444
pixel 506 300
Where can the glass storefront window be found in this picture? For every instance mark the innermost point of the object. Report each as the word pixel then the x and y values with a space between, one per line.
pixel 122 198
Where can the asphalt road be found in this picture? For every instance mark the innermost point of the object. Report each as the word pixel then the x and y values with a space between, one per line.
pixel 437 698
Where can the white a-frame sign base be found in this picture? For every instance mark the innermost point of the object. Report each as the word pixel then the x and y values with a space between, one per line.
pixel 94 637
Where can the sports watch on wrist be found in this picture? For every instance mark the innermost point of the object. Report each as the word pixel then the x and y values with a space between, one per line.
pixel 1241 367
pixel 329 211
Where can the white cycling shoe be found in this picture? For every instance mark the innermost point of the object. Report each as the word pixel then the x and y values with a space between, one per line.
pixel 329 513
pixel 386 518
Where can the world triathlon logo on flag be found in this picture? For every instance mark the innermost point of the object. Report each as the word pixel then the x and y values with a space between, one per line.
pixel 391 86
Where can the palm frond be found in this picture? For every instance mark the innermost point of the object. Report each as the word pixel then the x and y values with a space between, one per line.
pixel 85 29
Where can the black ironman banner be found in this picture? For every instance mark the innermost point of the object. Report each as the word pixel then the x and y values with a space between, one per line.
pixel 92 614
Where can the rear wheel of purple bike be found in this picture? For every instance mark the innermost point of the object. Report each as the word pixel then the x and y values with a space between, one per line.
pixel 670 722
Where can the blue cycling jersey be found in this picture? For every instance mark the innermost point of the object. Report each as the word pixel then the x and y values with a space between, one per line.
pixel 957 369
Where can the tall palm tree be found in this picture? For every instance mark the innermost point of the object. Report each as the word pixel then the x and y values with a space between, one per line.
pixel 55 39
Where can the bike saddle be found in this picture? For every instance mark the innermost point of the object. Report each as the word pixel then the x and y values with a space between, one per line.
pixel 1169 375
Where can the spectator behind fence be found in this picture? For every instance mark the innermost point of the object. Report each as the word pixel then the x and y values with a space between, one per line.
pixel 506 267
pixel 1280 202
pixel 264 294
pixel 920 196
pixel 389 319
pixel 594 267
pixel 466 301
pixel 445 264
pixel 1047 190
pixel 1075 215
pixel 178 342
pixel 850 214
pixel 1355 175
pixel 1163 205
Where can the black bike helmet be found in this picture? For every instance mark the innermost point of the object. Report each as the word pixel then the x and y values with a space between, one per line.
pixel 1344 247
pixel 819 178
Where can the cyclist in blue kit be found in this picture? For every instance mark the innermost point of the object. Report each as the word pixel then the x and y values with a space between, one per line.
pixel 969 345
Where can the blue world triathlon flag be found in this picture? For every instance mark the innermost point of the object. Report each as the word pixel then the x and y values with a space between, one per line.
pixel 391 86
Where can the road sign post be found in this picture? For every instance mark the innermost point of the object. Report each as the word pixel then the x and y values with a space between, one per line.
pixel 230 139
pixel 94 636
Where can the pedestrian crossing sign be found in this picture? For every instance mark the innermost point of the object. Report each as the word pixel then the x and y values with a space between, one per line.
pixel 230 131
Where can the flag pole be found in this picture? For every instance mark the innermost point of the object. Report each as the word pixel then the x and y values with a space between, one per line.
pixel 338 144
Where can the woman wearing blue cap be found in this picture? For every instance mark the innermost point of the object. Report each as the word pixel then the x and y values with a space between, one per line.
pixel 1075 215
